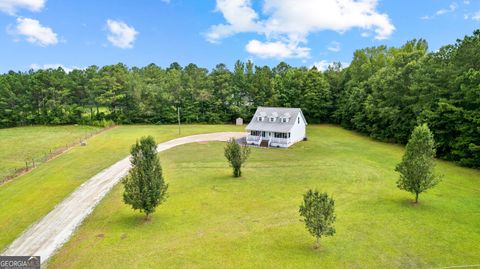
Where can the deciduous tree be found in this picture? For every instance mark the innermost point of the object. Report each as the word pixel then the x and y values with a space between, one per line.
pixel 236 156
pixel 318 214
pixel 145 187
pixel 417 166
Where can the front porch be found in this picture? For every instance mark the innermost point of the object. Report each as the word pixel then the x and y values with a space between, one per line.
pixel 268 139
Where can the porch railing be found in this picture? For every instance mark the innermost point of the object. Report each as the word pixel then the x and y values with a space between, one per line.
pixel 254 138
pixel 280 140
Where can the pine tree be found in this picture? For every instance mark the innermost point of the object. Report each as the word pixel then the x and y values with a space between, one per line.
pixel 318 214
pixel 417 166
pixel 145 187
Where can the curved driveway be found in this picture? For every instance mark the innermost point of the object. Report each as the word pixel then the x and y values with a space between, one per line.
pixel 44 237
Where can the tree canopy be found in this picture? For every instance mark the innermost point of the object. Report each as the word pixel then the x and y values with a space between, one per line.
pixel 318 212
pixel 417 166
pixel 385 92
pixel 145 187
pixel 236 156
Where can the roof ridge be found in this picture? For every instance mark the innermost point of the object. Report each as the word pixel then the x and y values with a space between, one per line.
pixel 280 107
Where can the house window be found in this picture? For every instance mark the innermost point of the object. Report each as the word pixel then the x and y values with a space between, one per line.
pixel 281 135
pixel 298 120
pixel 260 118
pixel 284 120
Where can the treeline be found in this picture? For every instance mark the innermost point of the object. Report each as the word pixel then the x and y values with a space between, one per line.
pixel 385 93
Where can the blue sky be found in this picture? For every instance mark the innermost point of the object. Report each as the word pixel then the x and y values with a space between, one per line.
pixel 46 33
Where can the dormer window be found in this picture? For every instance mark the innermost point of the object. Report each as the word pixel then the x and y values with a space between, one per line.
pixel 285 118
pixel 262 116
pixel 273 116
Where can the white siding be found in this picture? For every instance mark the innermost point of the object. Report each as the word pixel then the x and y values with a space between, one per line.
pixel 298 130
pixel 261 120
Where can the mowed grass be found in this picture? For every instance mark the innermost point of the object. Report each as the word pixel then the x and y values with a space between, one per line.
pixel 20 144
pixel 212 220
pixel 27 198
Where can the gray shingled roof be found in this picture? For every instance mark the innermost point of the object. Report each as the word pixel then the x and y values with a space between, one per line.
pixel 277 125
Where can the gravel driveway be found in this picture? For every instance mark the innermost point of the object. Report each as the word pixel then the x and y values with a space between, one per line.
pixel 44 237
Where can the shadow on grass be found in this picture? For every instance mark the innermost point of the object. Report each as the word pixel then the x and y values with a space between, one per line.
pixel 302 248
pixel 308 250
pixel 137 220
pixel 409 203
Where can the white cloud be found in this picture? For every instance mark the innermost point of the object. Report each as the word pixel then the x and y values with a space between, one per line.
pixel 276 49
pixel 53 66
pixel 34 32
pixel 240 17
pixel 334 47
pixel 476 16
pixel 323 65
pixel 288 22
pixel 120 34
pixel 11 6
pixel 451 8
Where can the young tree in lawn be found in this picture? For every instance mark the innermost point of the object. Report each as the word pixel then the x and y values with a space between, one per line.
pixel 145 187
pixel 236 156
pixel 318 214
pixel 417 166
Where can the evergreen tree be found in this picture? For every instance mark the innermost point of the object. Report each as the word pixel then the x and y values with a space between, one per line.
pixel 384 93
pixel 236 156
pixel 417 166
pixel 145 187
pixel 318 214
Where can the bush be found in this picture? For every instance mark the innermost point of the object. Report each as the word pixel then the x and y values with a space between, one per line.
pixel 102 123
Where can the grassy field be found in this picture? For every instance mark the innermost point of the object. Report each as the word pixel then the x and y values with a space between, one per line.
pixel 212 220
pixel 24 143
pixel 29 197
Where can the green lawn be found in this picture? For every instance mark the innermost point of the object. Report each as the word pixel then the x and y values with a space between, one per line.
pixel 29 197
pixel 212 220
pixel 24 143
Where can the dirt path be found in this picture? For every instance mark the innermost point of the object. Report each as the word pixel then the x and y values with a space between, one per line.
pixel 44 237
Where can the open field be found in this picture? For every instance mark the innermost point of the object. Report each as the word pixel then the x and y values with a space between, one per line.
pixel 29 197
pixel 24 143
pixel 212 220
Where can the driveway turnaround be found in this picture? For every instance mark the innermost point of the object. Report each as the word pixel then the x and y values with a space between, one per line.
pixel 44 237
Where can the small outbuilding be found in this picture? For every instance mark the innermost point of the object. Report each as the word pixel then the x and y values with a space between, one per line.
pixel 239 121
pixel 276 127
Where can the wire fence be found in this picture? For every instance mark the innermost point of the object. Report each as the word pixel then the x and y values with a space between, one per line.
pixel 31 163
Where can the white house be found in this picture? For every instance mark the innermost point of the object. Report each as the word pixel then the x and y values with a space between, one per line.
pixel 276 127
